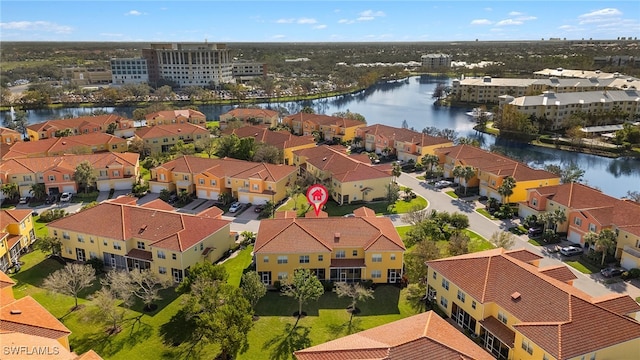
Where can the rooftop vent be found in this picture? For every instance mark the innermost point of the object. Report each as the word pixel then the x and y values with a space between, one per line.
pixel 16 312
pixel 515 296
pixel 336 237
pixel 142 229
pixel 324 158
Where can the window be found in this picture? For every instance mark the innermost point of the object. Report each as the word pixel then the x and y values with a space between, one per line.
pixel 185 177
pixel 473 304
pixel 376 258
pixel 117 246
pixel 304 259
pixel 340 254
pixel 393 256
pixel 52 178
pixel 66 177
pixel 445 284
pixel 435 274
pixel 174 257
pixel 213 183
pixel 376 274
pixel 527 346
pixel 320 257
pixel 577 221
pixel 161 254
pixel 265 259
pixel 104 242
pixel 534 202
pixel 92 255
pixel 282 259
pixel 593 356
pixel 592 227
pixel 116 173
pixel 65 235
pixel 201 181
pixel 545 357
pixel 461 296
pixel 282 276
pixel 255 187
pixel 502 317
pixel 162 270
pixel 141 245
pixel 80 238
pixel 444 302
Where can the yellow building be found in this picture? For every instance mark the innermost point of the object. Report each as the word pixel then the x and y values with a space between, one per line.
pixel 148 237
pixel 404 143
pixel 348 178
pixel 8 136
pixel 168 117
pixel 328 127
pixel 161 138
pixel 491 169
pixel 283 140
pixel 363 247
pixel 78 144
pixel 16 235
pixel 520 311
pixel 82 125
pixel 247 181
pixel 250 116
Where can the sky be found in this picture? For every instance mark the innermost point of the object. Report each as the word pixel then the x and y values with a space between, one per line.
pixel 316 21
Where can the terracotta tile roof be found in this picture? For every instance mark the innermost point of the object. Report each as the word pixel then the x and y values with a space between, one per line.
pixel 291 235
pixel 13 216
pixel 7 131
pixel 560 272
pixel 74 123
pixel 281 139
pixel 213 212
pixel 48 348
pixel 342 167
pixel 523 255
pixel 175 114
pixel 618 303
pixel 151 132
pixel 246 113
pixel 403 135
pixel 158 204
pixel 407 339
pixel 12 240
pixel 5 280
pixel 58 145
pixel 69 162
pixel 549 312
pixel 140 254
pixel 25 315
pixel 89 355
pixel 164 229
pixel 325 120
pixel 500 330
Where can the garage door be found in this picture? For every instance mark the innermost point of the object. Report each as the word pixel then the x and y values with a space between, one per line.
pixel 260 201
pixel 123 185
pixel 69 189
pixel 524 211
pixel 201 194
pixel 103 186
pixel 244 199
pixel 156 188
pixel 483 191
pixel 574 237
pixel 627 262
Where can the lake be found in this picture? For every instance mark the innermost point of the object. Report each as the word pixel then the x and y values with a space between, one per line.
pixel 410 100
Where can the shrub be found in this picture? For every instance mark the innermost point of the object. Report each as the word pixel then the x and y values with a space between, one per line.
pixel 327 285
pixel 97 264
pixel 277 285
pixel 631 274
pixel 164 195
pixel 52 214
pixel 140 189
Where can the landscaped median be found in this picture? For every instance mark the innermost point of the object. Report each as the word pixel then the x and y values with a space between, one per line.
pixel 301 205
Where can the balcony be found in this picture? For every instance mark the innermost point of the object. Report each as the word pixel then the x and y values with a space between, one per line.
pixel 183 183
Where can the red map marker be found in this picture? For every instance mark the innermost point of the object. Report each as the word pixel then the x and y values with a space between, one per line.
pixel 317 195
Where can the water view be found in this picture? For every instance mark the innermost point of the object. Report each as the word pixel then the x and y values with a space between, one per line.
pixel 410 100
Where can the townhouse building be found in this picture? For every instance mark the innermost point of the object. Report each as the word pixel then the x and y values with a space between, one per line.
pixel 404 143
pixel 589 210
pixel 363 247
pixel 557 108
pixel 120 126
pixel 282 139
pixel 16 234
pixel 328 127
pixel 168 117
pixel 149 237
pixel 415 337
pixel 519 310
pixel 247 181
pixel 160 138
pixel 491 169
pixel 348 178
pixel 250 116
pixel 57 146
pixel 117 171
pixel 9 136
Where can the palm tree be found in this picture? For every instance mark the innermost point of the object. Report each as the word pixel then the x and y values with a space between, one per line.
pixel 506 189
pixel 467 174
pixel 38 191
pixel 605 243
pixel 396 171
pixel 357 141
pixel 559 217
pixel 10 190
pixel 430 160
pixel 457 173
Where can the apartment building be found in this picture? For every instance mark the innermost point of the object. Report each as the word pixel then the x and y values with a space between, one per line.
pixel 575 73
pixel 559 107
pixel 129 71
pixel 16 234
pixel 348 178
pixel 168 117
pixel 117 171
pixel 411 338
pixel 436 61
pixel 589 210
pixel 283 139
pixel 148 237
pixel 9 136
pixel 250 116
pixel 404 143
pixel 247 181
pixel 519 310
pixel 57 146
pixel 363 247
pixel 245 70
pixel 491 169
pixel 121 127
pixel 160 138
pixel 189 64
pixel 328 127
pixel 87 75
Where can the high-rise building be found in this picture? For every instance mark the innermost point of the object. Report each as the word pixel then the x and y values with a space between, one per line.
pixel 189 64
pixel 129 71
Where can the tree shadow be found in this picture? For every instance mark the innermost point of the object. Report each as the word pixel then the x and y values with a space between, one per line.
pixel 282 345
pixel 178 329
pixel 108 345
pixel 347 328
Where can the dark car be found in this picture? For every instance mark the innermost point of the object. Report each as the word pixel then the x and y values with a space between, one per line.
pixel 611 272
pixel 535 231
pixel 258 208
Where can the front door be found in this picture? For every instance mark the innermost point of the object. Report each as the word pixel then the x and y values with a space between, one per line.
pixel 177 275
pixel 266 278
pixel 80 255
pixel 460 318
pixel 113 261
pixel 343 275
pixel 392 276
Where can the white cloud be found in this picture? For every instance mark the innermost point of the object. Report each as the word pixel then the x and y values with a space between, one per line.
pixel 515 13
pixel 600 13
pixel 111 34
pixel 365 18
pixel 508 22
pixel 306 21
pixel 133 13
pixel 285 21
pixel 320 27
pixel 278 36
pixel 36 26
pixel 526 18
pixel 371 13
pixel 345 21
pixel 481 22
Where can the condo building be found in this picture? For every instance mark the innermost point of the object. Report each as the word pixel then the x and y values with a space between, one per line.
pixel 129 71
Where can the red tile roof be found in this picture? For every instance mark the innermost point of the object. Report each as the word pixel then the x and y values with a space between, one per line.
pixel 281 139
pixel 25 315
pixel 102 121
pixel 13 216
pixel 342 167
pixel 560 272
pixel 422 336
pixel 69 162
pixel 549 312
pixel 618 303
pixel 325 120
pixel 246 113
pixel 164 229
pixel 403 135
pixel 5 280
pixel 61 144
pixel 175 114
pixel 158 131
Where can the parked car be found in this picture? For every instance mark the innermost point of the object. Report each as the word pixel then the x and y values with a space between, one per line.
pixel 258 208
pixel 65 197
pixel 51 199
pixel 535 231
pixel 611 272
pixel 23 200
pixel 443 184
pixel 235 207
pixel 571 251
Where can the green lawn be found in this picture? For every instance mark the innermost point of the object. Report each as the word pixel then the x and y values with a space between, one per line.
pixel 535 242
pixel 236 265
pixel 333 209
pixel 40 227
pixel 485 213
pixel 583 266
pixel 452 193
pixel 477 242
pixel 85 198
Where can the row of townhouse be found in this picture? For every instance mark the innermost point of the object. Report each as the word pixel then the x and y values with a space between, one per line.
pixel 404 143
pixel 249 182
pixel 363 247
pixel 120 126
pixel 283 140
pixel 557 108
pixel 16 235
pixel 489 90
pixel 79 144
pixel 168 117
pixel 150 237
pixel 28 330
pixel 589 210
pixel 329 127
pixel 348 178
pixel 160 138
pixel 9 136
pixel 491 169
pixel 250 116
pixel 117 171
pixel 519 310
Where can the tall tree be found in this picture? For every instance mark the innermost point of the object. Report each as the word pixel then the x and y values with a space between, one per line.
pixel 70 280
pixel 506 188
pixel 147 285
pixel 227 146
pixel 207 146
pixel 252 287
pixel 85 175
pixel 108 309
pixel 203 270
pixel 458 244
pixel 503 239
pixel 10 190
pixel 415 261
pixel 49 244
pixel 429 161
pixel 354 291
pixel 605 243
pixel 568 173
pixel 38 191
pixel 304 287
pixel 396 171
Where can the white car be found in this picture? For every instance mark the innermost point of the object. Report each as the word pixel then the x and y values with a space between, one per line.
pixel 442 184
pixel 570 251
pixel 235 207
pixel 65 197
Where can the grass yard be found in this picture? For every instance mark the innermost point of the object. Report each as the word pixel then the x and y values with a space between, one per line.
pixel 477 242
pixel 40 227
pixel 333 209
pixel 236 266
pixel 583 266
pixel 486 214
pixel 452 193
pixel 535 242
